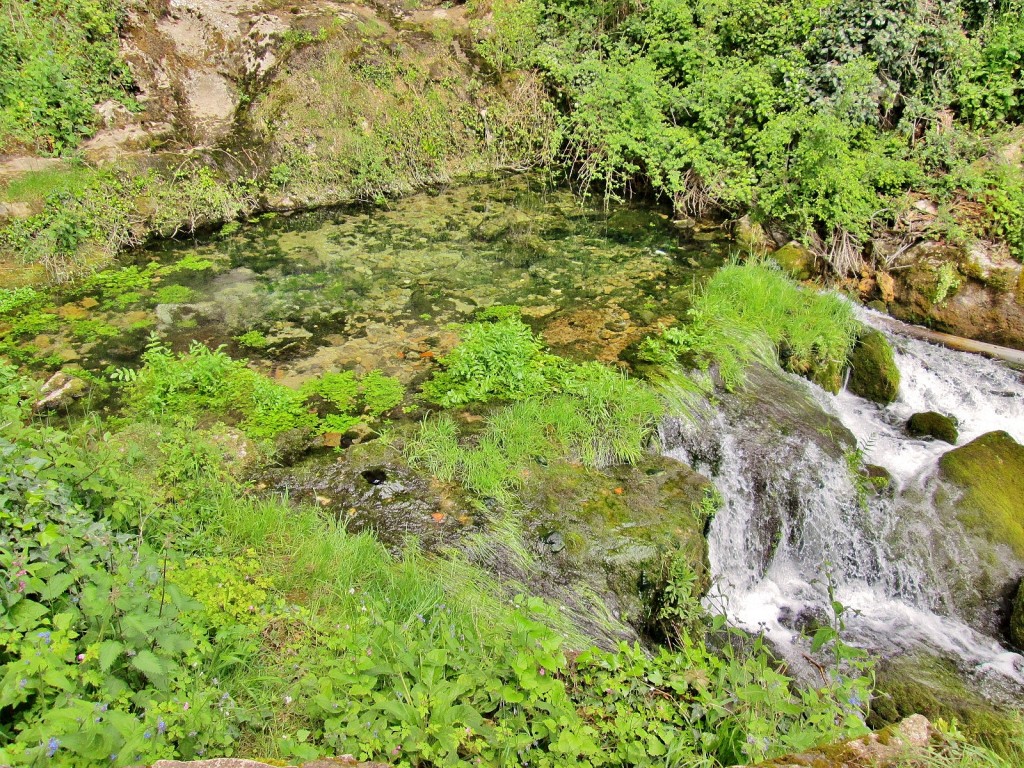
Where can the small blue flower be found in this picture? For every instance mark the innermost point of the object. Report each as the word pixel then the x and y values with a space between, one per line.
pixel 113 756
pixel 52 746
pixel 161 726
pixel 147 735
pixel 45 636
pixel 23 682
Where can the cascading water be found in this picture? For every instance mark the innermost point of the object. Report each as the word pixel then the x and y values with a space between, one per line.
pixel 794 512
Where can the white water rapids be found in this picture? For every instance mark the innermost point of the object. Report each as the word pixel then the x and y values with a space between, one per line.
pixel 791 512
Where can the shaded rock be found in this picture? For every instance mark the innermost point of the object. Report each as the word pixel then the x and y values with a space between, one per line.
pixel 887 749
pixel 932 424
pixel 59 391
pixel 751 236
pixel 796 259
pixel 1017 619
pixel 613 532
pixel 873 372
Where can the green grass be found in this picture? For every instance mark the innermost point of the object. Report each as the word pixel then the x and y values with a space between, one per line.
pixel 753 313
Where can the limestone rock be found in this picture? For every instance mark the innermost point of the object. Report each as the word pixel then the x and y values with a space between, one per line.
pixel 874 375
pixel 932 424
pixel 60 391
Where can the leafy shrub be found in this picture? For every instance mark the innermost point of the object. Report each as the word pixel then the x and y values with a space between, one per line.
pixel 204 381
pixel 13 299
pixel 99 663
pixel 58 59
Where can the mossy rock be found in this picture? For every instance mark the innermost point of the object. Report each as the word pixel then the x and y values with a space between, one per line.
pixel 873 372
pixel 1017 618
pixel 612 532
pixel 932 686
pixel 990 472
pixel 933 424
pixel 796 259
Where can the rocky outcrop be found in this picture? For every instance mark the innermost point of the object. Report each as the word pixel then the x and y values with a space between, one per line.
pixel 977 292
pixel 932 424
pixel 1017 619
pixel 60 391
pixel 886 749
pixel 873 372
pixel 796 259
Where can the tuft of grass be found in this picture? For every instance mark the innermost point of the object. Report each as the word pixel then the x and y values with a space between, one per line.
pixel 754 313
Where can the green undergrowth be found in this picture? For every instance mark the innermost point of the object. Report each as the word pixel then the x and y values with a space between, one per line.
pixel 819 117
pixel 88 216
pixel 205 383
pixel 753 313
pixel 582 412
pixel 154 608
pixel 57 59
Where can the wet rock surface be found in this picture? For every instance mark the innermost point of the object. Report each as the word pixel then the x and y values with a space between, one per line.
pixel 887 749
pixel 873 372
pixel 935 425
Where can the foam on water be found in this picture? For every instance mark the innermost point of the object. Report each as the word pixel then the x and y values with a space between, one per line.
pixel 782 528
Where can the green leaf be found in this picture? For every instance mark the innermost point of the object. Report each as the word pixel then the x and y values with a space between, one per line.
pixel 149 664
pixel 109 651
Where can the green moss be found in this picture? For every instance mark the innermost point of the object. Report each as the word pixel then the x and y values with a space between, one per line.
pixel 932 687
pixel 173 294
pixel 932 424
pixel 990 470
pixel 873 373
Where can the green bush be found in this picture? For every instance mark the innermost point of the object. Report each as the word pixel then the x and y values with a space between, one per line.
pixel 58 58
pixel 499 360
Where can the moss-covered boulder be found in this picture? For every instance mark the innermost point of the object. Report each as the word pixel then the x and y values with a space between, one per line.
pixel 1017 618
pixel 615 533
pixel 873 372
pixel 933 424
pixel 989 471
pixel 932 686
pixel 796 259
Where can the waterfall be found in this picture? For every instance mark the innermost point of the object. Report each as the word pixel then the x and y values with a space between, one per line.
pixel 793 511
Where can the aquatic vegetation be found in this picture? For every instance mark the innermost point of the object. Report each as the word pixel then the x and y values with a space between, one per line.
pixel 499 360
pixel 13 299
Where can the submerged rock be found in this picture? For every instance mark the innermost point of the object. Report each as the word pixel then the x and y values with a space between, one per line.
pixel 933 424
pixel 873 372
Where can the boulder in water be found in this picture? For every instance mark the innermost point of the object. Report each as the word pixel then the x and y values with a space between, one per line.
pixel 873 372
pixel 796 259
pixel 990 472
pixel 933 424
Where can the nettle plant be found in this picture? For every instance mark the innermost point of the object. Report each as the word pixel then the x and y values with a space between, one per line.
pixel 101 659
